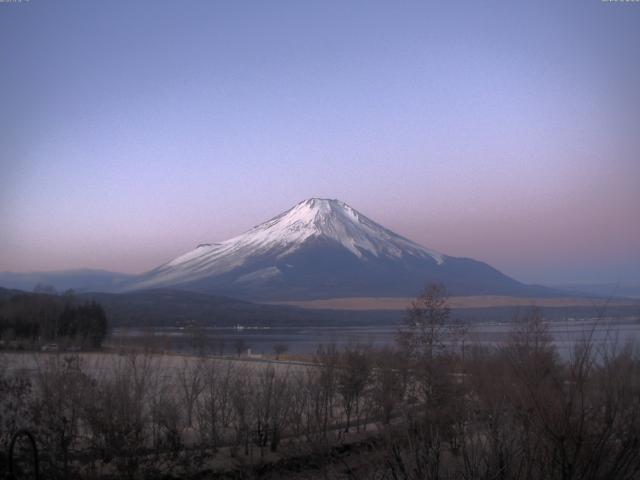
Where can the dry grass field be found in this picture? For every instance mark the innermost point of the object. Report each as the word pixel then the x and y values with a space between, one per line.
pixel 474 301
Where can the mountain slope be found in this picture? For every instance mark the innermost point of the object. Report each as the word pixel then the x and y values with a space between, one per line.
pixel 324 248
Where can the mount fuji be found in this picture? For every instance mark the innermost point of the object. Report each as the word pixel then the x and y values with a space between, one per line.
pixel 323 248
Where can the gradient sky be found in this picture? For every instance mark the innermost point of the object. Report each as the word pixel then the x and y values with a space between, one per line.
pixel 506 131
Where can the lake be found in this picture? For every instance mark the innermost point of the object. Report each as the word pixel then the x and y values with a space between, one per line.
pixel 305 340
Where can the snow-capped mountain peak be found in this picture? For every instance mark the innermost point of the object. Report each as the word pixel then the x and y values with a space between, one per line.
pixel 335 220
pixel 322 248
pixel 316 218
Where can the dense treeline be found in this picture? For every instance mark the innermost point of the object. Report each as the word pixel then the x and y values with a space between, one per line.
pixel 28 320
pixel 432 407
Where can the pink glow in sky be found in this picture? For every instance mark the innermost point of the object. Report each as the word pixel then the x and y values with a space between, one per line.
pixel 505 132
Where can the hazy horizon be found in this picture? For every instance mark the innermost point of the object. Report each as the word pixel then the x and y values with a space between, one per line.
pixel 499 131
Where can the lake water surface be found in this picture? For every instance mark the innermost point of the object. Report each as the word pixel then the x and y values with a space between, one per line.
pixel 305 340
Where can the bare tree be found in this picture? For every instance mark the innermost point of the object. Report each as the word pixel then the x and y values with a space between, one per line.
pixel 390 384
pixel 271 405
pixel 118 416
pixel 324 385
pixel 219 345
pixel 198 339
pixel 241 392
pixel 191 384
pixel 279 349
pixel 425 323
pixel 16 392
pixel 215 409
pixel 240 346
pixel 57 408
pixel 353 377
pixel 422 339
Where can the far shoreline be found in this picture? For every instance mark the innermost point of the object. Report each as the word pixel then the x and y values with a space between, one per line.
pixel 473 301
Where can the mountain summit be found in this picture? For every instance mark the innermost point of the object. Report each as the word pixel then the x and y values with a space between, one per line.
pixel 323 248
pixel 331 220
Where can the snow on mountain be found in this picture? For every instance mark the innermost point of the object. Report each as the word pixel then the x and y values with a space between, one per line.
pixel 315 218
pixel 323 248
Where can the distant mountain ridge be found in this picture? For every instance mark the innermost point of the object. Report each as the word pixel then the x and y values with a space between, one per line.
pixel 324 248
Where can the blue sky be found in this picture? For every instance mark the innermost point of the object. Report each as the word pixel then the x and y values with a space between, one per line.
pixel 505 131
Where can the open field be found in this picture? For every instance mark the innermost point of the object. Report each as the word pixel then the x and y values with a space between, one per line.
pixel 475 301
pixel 171 365
pixel 135 412
pixel 351 412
